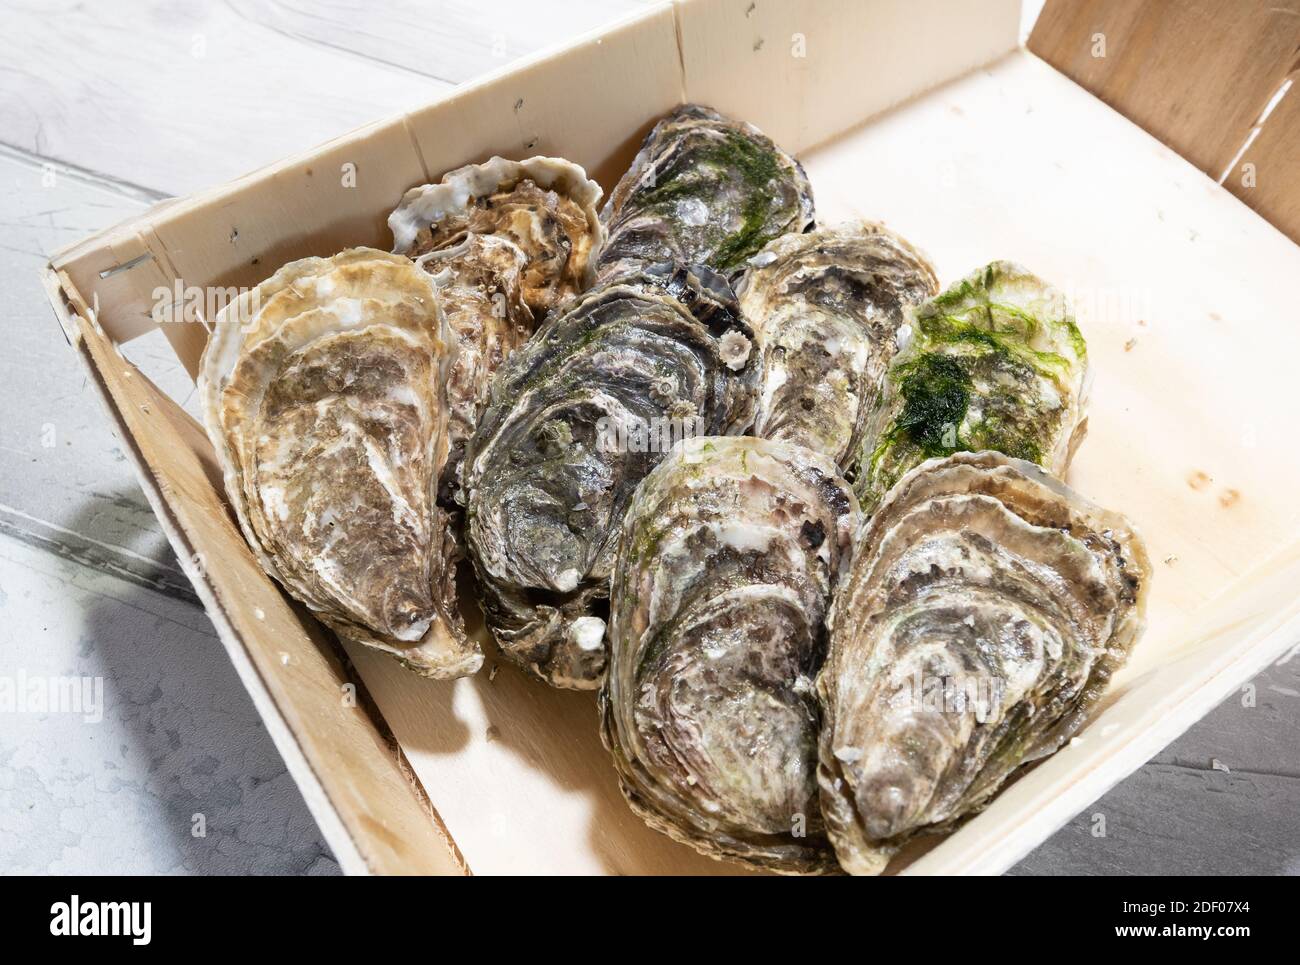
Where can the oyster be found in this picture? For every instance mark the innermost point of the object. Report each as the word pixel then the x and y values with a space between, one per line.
pixel 703 190
pixel 985 610
pixel 729 552
pixel 995 362
pixel 323 394
pixel 478 282
pixel 826 307
pixel 545 205
pixel 576 419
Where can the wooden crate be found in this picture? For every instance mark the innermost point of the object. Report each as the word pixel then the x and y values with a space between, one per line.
pixel 930 117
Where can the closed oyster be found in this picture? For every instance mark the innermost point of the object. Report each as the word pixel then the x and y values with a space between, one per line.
pixel 545 205
pixel 703 190
pixel 826 307
pixel 986 609
pixel 577 418
pixel 729 552
pixel 323 393
pixel 995 362
pixel 478 283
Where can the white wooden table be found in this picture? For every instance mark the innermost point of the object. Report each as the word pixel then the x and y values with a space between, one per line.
pixel 105 111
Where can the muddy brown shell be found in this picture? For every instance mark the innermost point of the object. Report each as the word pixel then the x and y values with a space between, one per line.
pixel 545 206
pixel 323 391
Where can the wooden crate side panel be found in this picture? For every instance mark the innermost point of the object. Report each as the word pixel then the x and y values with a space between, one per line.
pixel 120 278
pixel 807 70
pixel 592 102
pixel 576 102
pixel 372 812
pixel 1268 176
pixel 1195 73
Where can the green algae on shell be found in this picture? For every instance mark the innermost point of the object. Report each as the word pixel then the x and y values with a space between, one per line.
pixel 703 189
pixel 826 307
pixel 995 362
pixel 575 419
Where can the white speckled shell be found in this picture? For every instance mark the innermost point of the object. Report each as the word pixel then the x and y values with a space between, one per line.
pixel 296 376
pixel 985 611
pixel 454 198
pixel 826 307
pixel 546 477
pixel 729 552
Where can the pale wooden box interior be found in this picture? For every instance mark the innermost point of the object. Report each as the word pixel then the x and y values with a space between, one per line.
pixel 927 116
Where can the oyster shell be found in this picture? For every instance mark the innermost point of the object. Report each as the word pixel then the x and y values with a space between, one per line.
pixel 703 190
pixel 985 610
pixel 545 205
pixel 323 393
pixel 297 286
pixel 995 362
pixel 826 307
pixel 729 552
pixel 577 418
pixel 478 281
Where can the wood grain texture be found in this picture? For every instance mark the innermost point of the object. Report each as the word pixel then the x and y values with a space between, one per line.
pixel 1195 73
pixel 1268 175
pixel 592 104
pixel 167 769
pixel 805 72
pixel 1223 799
pixel 449 40
pixel 180 95
pixel 177 96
